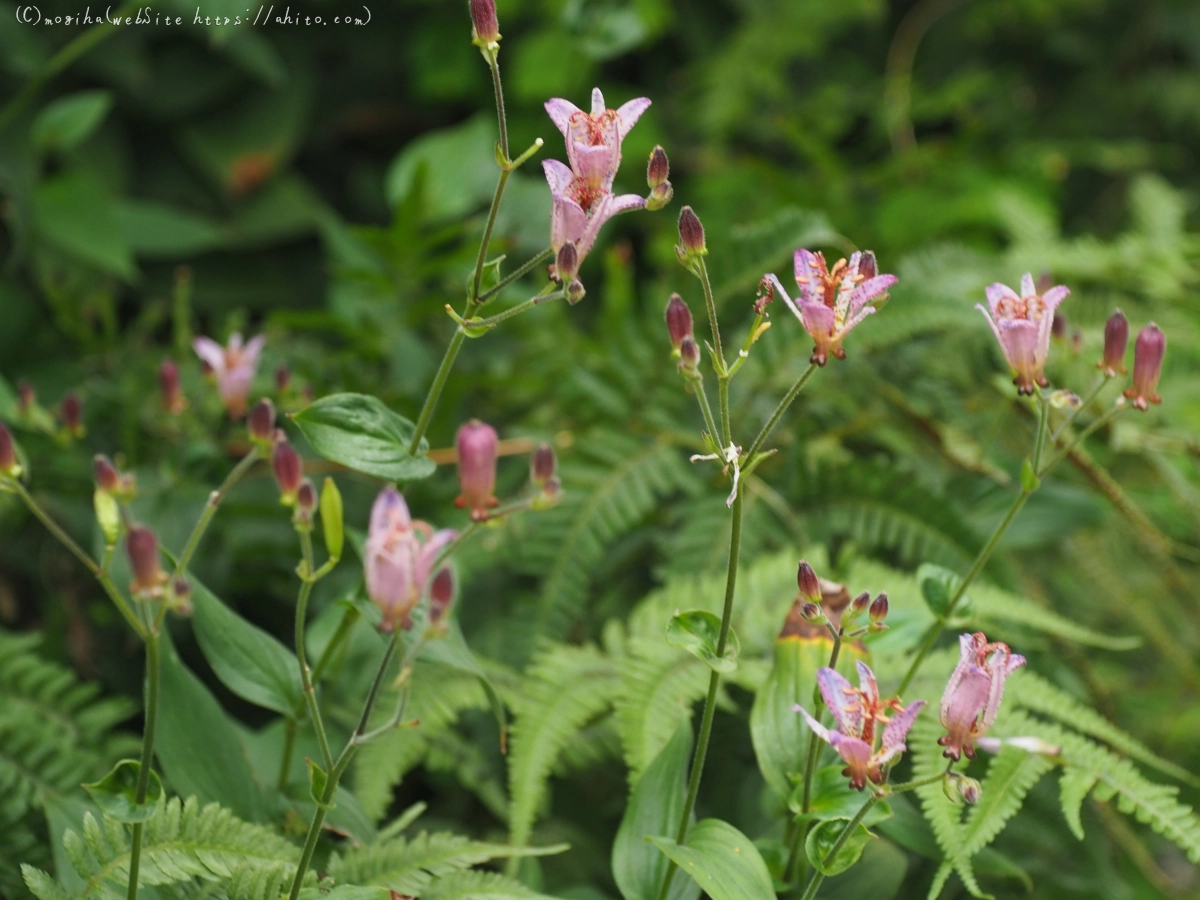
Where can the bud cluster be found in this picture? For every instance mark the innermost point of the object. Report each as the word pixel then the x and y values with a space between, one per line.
pixel 657 170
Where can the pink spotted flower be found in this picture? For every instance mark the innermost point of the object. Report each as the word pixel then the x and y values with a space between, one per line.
pixel 582 193
pixel 400 554
pixel 973 694
pixel 233 366
pixel 832 301
pixel 862 720
pixel 1022 324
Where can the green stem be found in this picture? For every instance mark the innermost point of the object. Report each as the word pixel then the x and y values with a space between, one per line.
pixel 810 889
pixel 310 696
pixel 1066 451
pixel 714 683
pixel 210 510
pixel 147 760
pixel 1039 442
pixel 349 618
pixel 705 409
pixel 919 782
pixel 1083 404
pixel 515 274
pixel 439 382
pixel 791 395
pixel 494 64
pixel 711 303
pixel 289 745
pixel 536 300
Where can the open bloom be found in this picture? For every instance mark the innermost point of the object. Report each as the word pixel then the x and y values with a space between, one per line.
pixel 1022 324
pixel 233 366
pixel 833 300
pixel 858 714
pixel 973 694
pixel 399 556
pixel 582 192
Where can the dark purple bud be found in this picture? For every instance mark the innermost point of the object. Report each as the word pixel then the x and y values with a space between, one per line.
pixel 72 413
pixel 566 263
pixel 679 320
pixel 306 497
pixel 1116 340
pixel 107 476
pixel 970 790
pixel 441 595
pixel 860 603
pixel 261 423
pixel 575 291
pixel 1148 352
pixel 142 547
pixel 485 27
pixel 691 233
pixel 658 168
pixel 8 452
pixel 867 266
pixel 168 384
pixel 812 612
pixel 879 608
pixel 288 469
pixel 26 396
pixel 689 354
pixel 542 465
pixel 806 579
pixel 283 377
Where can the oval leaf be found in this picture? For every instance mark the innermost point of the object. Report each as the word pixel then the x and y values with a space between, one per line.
pixel 67 121
pixel 361 433
pixel 116 793
pixel 697 631
pixel 824 835
pixel 938 585
pixel 722 860
pixel 833 798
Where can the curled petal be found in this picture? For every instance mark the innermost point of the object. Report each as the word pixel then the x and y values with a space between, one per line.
pixel 560 112
pixel 1000 665
pixel 558 175
pixel 817 728
pixel 211 352
pixel 968 652
pixel 429 553
pixel 253 350
pixel 607 207
pixel 843 701
pixel 629 113
pixel 1055 296
pixel 869 290
pixel 1028 287
pixel 897 728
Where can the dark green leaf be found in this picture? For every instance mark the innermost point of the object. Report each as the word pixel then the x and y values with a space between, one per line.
pixel 116 792
pixel 318 780
pixel 833 798
pixel 361 433
pixel 722 860
pixel 938 586
pixel 821 840
pixel 697 631
pixel 68 121
pixel 450 649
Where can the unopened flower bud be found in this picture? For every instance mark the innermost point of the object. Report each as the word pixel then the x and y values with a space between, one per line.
pixel 8 453
pixel 1116 339
pixel 660 195
pixel 26 397
pixel 860 603
pixel 306 497
pixel 1148 353
pixel 142 548
pixel 72 414
pixel 261 423
pixel 181 596
pixel 806 580
pixel 679 320
pixel 441 595
pixel 477 445
pixel 812 613
pixel 107 476
pixel 970 790
pixel 283 377
pixel 566 263
pixel 868 268
pixel 542 465
pixel 691 234
pixel 879 608
pixel 168 383
pixel 658 168
pixel 689 354
pixel 575 291
pixel 485 27
pixel 288 469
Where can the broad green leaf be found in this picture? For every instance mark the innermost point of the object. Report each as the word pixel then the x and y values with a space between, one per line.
pixel 877 876
pixel 75 214
pixel 653 810
pixel 833 798
pixel 722 860
pixel 361 433
pixel 66 122
pixel 697 631
pixel 116 793
pixel 249 661
pixel 938 586
pixel 318 780
pixel 453 168
pixel 824 836
pixel 159 231
pixel 450 649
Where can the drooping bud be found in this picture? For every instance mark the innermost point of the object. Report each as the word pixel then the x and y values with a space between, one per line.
pixel 1116 339
pixel 181 596
pixel 575 291
pixel 72 414
pixel 441 595
pixel 868 267
pixel 679 320
pixel 26 397
pixel 107 476
pixel 261 423
pixel 689 355
pixel 806 580
pixel 879 609
pixel 173 400
pixel 566 263
pixel 477 445
pixel 542 465
pixel 485 27
pixel 691 235
pixel 306 504
pixel 283 377
pixel 950 787
pixel 970 790
pixel 142 548
pixel 860 603
pixel 658 168
pixel 1148 353
pixel 8 453
pixel 288 469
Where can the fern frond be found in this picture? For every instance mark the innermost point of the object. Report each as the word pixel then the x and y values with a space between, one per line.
pixel 258 882
pixel 480 886
pixel 750 251
pixel 565 688
pixel 994 605
pixel 1073 788
pixel 18 842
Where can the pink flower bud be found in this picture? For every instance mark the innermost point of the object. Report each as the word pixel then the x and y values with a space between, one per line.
pixel 689 354
pixel 485 28
pixel 477 445
pixel 142 547
pixel 879 608
pixel 107 476
pixel 283 377
pixel 1148 353
pixel 691 233
pixel 168 383
pixel 542 465
pixel 1116 339
pixel 441 595
pixel 8 452
pixel 72 413
pixel 868 267
pixel 1058 328
pixel 860 603
pixel 26 397
pixel 679 320
pixel 566 263
pixel 806 580
pixel 261 423
pixel 658 168
pixel 288 469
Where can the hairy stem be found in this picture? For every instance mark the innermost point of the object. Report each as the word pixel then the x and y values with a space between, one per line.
pixel 711 303
pixel 810 889
pixel 310 696
pixel 1100 422
pixel 147 759
pixel 791 395
pixel 210 510
pixel 705 409
pixel 512 276
pixel 540 297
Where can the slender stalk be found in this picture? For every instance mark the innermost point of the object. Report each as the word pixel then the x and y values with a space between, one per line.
pixel 1039 442
pixel 916 783
pixel 502 119
pixel 210 510
pixel 289 745
pixel 705 409
pixel 349 618
pixel 714 683
pixel 147 760
pixel 439 382
pixel 810 889
pixel 791 395
pixel 537 299
pixel 310 696
pixel 1101 381
pixel 515 274
pixel 1066 451
pixel 711 303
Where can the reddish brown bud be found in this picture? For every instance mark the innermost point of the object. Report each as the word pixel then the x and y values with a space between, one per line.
pixel 485 27
pixel 812 612
pixel 283 377
pixel 26 396
pixel 441 595
pixel 261 423
pixel 168 384
pixel 879 608
pixel 107 476
pixel 306 497
pixel 658 168
pixel 766 294
pixel 970 790
pixel 566 263
pixel 860 603
pixel 691 233
pixel 542 465
pixel 679 320
pixel 867 266
pixel 72 413
pixel 8 452
pixel 689 354
pixel 1116 340
pixel 142 548
pixel 288 469
pixel 806 580
pixel 1148 351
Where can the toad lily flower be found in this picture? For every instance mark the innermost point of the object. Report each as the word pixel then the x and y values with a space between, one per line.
pixel 857 712
pixel 582 193
pixel 974 691
pixel 399 556
pixel 833 301
pixel 1022 324
pixel 233 366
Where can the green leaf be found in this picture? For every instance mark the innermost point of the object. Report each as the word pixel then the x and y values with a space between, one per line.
pixel 833 798
pixel 361 433
pixel 1073 787
pixel 75 214
pixel 653 810
pixel 878 875
pixel 450 649
pixel 159 231
pixel 453 168
pixel 332 515
pixel 938 586
pixel 822 838
pixel 66 122
pixel 722 860
pixel 698 631
pixel 249 661
pixel 108 515
pixel 116 793
pixel 318 779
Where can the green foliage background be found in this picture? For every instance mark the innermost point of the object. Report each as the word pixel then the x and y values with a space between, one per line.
pixel 326 185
